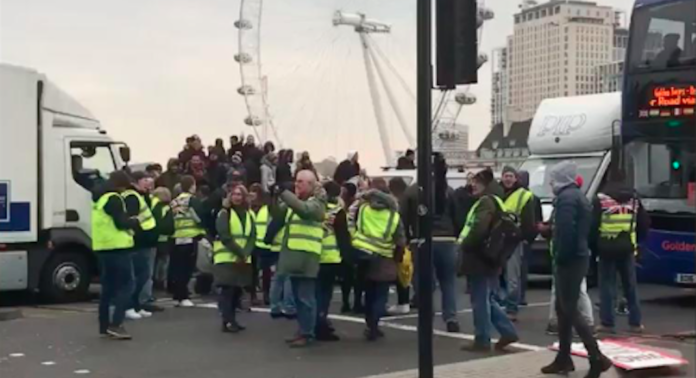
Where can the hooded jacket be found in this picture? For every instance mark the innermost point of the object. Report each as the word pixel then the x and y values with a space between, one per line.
pixel 380 201
pixel 571 218
pixel 115 208
pixel 268 174
pixel 471 262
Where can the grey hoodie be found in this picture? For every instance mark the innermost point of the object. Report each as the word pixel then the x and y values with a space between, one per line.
pixel 268 174
pixel 562 175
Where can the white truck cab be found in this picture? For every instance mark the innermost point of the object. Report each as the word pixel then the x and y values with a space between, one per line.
pixel 53 151
pixel 579 129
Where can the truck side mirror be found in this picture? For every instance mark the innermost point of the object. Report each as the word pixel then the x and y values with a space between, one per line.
pixel 125 154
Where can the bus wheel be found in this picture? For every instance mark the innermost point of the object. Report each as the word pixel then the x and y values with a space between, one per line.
pixel 65 278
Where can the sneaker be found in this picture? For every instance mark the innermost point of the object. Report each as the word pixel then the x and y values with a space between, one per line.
pixel 559 368
pixel 151 307
pixel 372 334
pixel 132 315
pixel 453 327
pixel 475 347
pixel 186 303
pixel 552 329
pixel 399 309
pixel 606 330
pixel 301 342
pixel 504 342
pixel 290 316
pixel 232 327
pixel 637 329
pixel 277 315
pixel 144 314
pixel 118 333
pixel 328 337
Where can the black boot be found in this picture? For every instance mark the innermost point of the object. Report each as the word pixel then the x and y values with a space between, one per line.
pixel 599 366
pixel 559 366
pixel 232 327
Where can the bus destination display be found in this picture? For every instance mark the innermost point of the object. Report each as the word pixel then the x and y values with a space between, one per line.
pixel 669 101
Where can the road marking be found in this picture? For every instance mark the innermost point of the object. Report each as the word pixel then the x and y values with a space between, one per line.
pixel 82 372
pixel 402 327
pixel 465 311
pixel 48 363
pixel 16 355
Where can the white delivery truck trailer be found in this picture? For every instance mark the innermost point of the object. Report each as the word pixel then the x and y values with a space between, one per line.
pixel 52 152
pixel 579 129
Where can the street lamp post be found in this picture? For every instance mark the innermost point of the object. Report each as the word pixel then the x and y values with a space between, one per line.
pixel 425 259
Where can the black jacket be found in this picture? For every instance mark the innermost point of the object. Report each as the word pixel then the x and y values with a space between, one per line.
pixel 447 224
pixel 571 225
pixel 346 171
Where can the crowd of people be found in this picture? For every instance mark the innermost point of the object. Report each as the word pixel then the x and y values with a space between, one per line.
pixel 248 222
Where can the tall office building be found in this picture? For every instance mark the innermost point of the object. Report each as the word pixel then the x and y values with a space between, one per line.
pixel 554 51
pixel 499 85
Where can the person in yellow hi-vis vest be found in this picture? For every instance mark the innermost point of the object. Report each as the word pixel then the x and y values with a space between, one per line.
pixel 112 241
pixel 336 243
pixel 236 239
pixel 265 258
pixel 161 198
pixel 301 248
pixel 188 230
pixel 138 204
pixel 380 240
pixel 483 277
pixel 520 202
pixel 619 223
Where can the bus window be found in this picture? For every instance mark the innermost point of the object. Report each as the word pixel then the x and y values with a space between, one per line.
pixel 662 170
pixel 663 36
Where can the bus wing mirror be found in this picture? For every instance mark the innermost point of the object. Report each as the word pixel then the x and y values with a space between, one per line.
pixel 125 154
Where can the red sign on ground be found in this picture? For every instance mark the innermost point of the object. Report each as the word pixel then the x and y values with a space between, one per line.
pixel 630 356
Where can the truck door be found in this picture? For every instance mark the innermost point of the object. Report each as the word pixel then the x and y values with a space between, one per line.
pixel 90 164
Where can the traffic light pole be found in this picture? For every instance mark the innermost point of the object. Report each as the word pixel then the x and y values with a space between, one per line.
pixel 425 257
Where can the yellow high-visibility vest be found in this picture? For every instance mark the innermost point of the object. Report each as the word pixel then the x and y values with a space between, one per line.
pixel 517 200
pixel 470 218
pixel 330 254
pixel 240 234
pixel 374 230
pixel 105 235
pixel 145 217
pixel 303 235
pixel 261 220
pixel 184 225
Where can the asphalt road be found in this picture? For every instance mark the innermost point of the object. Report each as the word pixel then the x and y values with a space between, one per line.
pixel 62 341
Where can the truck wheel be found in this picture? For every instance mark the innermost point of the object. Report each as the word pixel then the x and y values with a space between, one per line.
pixel 65 278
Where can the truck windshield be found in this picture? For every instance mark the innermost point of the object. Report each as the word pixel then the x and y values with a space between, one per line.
pixel 539 168
pixel 662 170
pixel 663 36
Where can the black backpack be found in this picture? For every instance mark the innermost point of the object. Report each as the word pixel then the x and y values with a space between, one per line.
pixel 503 238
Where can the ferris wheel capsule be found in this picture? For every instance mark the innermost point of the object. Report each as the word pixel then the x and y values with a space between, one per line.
pixel 253 121
pixel 243 58
pixel 465 98
pixel 243 24
pixel 246 90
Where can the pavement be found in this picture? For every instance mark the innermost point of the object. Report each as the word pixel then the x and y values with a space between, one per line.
pixel 62 341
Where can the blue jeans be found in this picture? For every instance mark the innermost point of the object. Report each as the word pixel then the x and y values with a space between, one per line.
pixel 281 295
pixel 445 257
pixel 626 269
pixel 376 296
pixel 305 292
pixel 116 277
pixel 510 295
pixel 143 263
pixel 486 310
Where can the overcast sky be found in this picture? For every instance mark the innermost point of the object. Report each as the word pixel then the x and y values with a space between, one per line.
pixel 155 71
